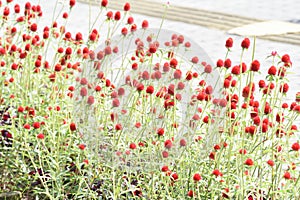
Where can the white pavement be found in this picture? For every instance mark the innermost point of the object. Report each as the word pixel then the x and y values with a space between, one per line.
pixel 267 9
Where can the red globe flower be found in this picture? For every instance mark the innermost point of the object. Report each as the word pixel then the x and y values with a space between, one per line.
pixel 160 131
pixel 287 175
pixel 229 43
pixel 165 168
pixel 118 127
pixel 165 154
pixel 72 3
pixel 182 142
pixel 236 70
pixel 73 127
pixel 217 172
pixel 249 162
pixel 245 43
pixel 104 3
pixel 227 63
pixel 296 146
pixel 168 144
pixel 145 24
pixel 132 146
pixel 255 65
pixel 127 6
pixel 117 16
pixel 81 146
pixel 271 163
pixel 174 176
pixel 40 136
pixel 150 89
pixel 197 177
pixel 91 100
pixel 27 126
pixel 115 102
pixel 36 125
pixel 191 193
pixel 272 70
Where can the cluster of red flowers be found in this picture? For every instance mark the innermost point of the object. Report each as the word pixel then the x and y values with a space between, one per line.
pixel 140 117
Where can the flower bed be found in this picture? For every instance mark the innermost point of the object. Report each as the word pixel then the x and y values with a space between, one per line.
pixel 139 113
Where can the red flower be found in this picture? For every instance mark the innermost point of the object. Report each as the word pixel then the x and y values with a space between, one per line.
pixel 104 3
pixel 227 63
pixel 208 69
pixel 191 193
pixel 40 136
pixel 81 146
pixel 180 86
pixel 220 63
pixel 261 84
pixel 165 168
pixel 296 146
pixel 217 172
pixel 98 88
pixel 244 67
pixel 124 31
pixel 91 100
pixel 132 146
pixel 217 147
pixel 174 176
pixel 284 88
pixel 20 109
pixel 130 20
pixel 115 102
pixel 285 58
pixel 209 89
pixel 138 124
pixel 36 125
pixel 212 155
pixel 72 3
pixel 83 92
pixel 182 142
pixel 272 70
pixel 117 16
pixel 287 175
pixel 33 27
pixel 150 89
pixel 245 43
pixel 229 43
pixel 165 154
pixel 17 8
pixel 73 127
pixel 271 163
pixel 197 177
pixel 6 11
pixel 236 70
pixel 255 65
pixel 168 144
pixel 121 91
pixel 177 74
pixel 195 60
pixel 27 126
pixel 160 131
pixel 187 44
pixel 140 87
pixel 65 15
pixel 173 63
pixel 126 6
pixel 264 127
pixel 118 127
pixel 249 162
